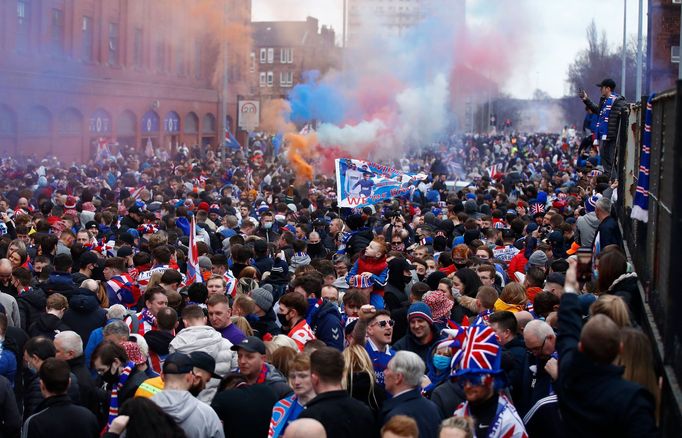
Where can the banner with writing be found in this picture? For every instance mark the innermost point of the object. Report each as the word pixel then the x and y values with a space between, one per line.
pixel 360 182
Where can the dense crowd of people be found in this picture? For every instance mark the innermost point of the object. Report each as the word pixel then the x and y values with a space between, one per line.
pixel 502 305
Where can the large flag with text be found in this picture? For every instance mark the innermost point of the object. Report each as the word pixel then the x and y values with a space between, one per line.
pixel 360 183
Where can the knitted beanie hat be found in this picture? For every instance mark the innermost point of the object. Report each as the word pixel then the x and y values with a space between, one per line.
pixel 262 297
pixel 419 310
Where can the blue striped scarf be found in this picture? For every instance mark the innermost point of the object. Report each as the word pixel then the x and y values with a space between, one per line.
pixel 604 113
pixel 640 209
pixel 113 403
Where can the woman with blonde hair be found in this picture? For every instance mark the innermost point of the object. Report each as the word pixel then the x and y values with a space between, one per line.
pixel 614 307
pixel 242 324
pixel 638 360
pixel 359 378
pixel 154 280
pixel 513 298
pixel 277 342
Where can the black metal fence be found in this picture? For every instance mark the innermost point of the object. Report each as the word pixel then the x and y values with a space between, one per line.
pixel 654 247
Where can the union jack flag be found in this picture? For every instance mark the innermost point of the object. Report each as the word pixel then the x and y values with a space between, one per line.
pixel 536 208
pixel 135 192
pixel 480 352
pixel 230 283
pixel 193 270
pixel 494 171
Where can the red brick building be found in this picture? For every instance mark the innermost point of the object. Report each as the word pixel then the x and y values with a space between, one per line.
pixel 663 45
pixel 131 71
pixel 284 50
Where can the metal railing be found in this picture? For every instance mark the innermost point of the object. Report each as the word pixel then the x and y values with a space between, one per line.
pixel 653 247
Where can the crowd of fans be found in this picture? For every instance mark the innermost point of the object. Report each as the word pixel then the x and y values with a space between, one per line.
pixel 494 301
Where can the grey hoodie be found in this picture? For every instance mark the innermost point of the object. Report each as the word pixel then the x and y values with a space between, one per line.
pixel 585 228
pixel 196 418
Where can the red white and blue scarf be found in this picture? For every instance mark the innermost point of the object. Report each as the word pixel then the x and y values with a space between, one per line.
pixel 113 403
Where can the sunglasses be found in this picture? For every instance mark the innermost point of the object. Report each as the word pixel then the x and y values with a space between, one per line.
pixel 386 322
pixel 472 379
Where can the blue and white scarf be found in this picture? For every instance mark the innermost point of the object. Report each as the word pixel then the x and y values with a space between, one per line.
pixel 640 210
pixel 603 122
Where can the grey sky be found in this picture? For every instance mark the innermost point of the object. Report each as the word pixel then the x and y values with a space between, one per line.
pixel 556 30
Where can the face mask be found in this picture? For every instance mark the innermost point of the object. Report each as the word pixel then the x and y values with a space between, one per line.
pixel 460 265
pixel 421 277
pixel 30 366
pixel 595 274
pixel 109 377
pixel 267 225
pixel 399 247
pixel 407 278
pixel 441 362
pixel 280 218
pixel 282 317
pixel 430 271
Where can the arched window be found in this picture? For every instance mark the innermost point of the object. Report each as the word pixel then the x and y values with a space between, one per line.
pixel 70 122
pixel 100 122
pixel 208 124
pixel 38 121
pixel 191 123
pixel 126 123
pixel 171 123
pixel 150 122
pixel 8 121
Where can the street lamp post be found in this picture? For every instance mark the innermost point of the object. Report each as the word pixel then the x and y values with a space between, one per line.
pixel 638 84
pixel 624 52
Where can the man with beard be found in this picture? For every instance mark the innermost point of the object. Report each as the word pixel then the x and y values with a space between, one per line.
pixel 194 417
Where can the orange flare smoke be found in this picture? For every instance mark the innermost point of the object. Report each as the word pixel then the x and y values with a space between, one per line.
pixel 300 149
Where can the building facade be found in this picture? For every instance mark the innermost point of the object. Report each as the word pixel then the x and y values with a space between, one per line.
pixel 77 72
pixel 663 45
pixel 284 50
pixel 392 18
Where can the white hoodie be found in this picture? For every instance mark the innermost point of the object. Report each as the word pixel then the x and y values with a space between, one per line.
pixel 206 339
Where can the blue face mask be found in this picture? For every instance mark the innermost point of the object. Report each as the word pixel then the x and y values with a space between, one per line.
pixel 441 362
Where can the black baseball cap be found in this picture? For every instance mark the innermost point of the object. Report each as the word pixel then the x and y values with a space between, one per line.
pixel 251 344
pixel 178 363
pixel 204 361
pixel 607 83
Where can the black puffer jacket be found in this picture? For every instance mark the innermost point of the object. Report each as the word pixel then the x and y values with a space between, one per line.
pixel 31 305
pixel 84 314
pixel 625 287
pixel 618 109
pixel 47 325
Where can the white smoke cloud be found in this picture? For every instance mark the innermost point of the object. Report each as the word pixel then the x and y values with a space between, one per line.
pixel 423 111
pixel 350 136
